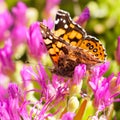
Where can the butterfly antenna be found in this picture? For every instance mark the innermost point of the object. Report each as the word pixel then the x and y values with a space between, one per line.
pixel 44 30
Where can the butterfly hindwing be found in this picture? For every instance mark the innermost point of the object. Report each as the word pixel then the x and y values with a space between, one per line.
pixel 94 46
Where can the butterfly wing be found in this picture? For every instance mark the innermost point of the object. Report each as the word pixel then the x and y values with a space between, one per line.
pixel 67 29
pixel 56 46
pixel 94 46
pixel 74 34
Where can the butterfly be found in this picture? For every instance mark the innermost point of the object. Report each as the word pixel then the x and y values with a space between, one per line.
pixel 69 45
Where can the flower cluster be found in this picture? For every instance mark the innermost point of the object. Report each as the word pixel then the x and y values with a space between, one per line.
pixel 31 91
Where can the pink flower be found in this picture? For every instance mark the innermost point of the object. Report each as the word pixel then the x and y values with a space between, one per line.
pixel 84 16
pixel 79 73
pixel 117 52
pixel 19 35
pixel 11 103
pixel 103 89
pixel 49 23
pixel 6 53
pixel 19 13
pixel 50 91
pixel 68 116
pixel 19 31
pixel 6 22
pixel 3 93
pixel 97 73
pixel 35 41
pixel 51 5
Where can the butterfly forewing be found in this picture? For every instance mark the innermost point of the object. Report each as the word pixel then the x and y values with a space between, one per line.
pixel 67 29
pixel 55 45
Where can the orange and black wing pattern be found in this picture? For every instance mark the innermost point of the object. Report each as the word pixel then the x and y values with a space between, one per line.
pixel 56 46
pixel 74 34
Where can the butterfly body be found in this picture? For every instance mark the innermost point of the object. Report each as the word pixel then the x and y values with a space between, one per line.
pixel 69 45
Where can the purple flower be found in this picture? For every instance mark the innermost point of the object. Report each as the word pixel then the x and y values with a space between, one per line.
pixel 68 116
pixel 79 73
pixel 58 86
pixel 26 74
pixel 51 7
pixel 3 93
pixel 100 86
pixel 19 13
pixel 49 23
pixel 6 22
pixel 19 31
pixel 19 35
pixel 105 90
pixel 115 86
pixel 117 52
pixel 11 103
pixel 35 41
pixel 50 91
pixel 84 16
pixel 6 62
pixel 102 94
pixel 97 73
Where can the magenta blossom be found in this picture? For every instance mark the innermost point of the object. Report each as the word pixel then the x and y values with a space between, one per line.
pixel 19 31
pixel 50 5
pixel 104 91
pixel 79 73
pixel 84 16
pixel 6 22
pixel 3 93
pixel 35 41
pixel 10 104
pixel 19 13
pixel 57 85
pixel 97 73
pixel 19 35
pixel 6 63
pixel 68 116
pixel 117 52
pixel 49 23
pixel 50 91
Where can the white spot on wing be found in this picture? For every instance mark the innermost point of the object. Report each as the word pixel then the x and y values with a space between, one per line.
pixel 57 21
pixel 50 37
pixel 64 21
pixel 61 19
pixel 65 26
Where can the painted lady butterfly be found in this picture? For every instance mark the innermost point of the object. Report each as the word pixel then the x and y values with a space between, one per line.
pixel 69 45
